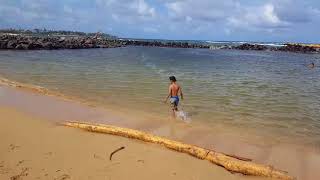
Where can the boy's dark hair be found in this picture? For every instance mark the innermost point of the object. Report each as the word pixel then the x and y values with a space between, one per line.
pixel 172 78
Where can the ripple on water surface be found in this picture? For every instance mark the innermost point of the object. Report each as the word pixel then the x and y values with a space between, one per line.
pixel 266 93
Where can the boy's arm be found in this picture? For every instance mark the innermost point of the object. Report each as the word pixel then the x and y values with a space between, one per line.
pixel 181 94
pixel 169 95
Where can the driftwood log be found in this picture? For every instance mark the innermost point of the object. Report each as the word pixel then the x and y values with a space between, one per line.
pixel 230 163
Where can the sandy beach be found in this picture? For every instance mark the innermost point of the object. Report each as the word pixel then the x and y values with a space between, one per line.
pixel 33 148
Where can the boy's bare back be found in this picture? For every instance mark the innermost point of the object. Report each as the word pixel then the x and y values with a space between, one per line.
pixel 174 92
pixel 174 89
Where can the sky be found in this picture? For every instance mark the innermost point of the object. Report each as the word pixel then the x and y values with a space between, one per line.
pixel 216 20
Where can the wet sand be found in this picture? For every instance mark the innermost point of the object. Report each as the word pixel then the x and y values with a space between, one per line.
pixel 33 148
pixel 299 161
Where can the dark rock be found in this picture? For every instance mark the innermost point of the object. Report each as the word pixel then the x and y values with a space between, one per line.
pixel 287 48
pixel 3 44
pixel 62 39
pixel 48 45
pixel 89 41
pixel 297 48
pixel 33 46
pixel 247 46
pixel 21 46
pixel 11 44
pixel 90 45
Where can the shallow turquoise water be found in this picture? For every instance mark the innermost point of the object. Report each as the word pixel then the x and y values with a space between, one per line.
pixel 269 93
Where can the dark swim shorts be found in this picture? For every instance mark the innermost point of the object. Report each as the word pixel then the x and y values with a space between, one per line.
pixel 174 100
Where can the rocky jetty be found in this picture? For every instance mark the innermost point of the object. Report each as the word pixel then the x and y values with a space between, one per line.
pixel 26 42
pixel 173 44
pixel 298 48
pixel 23 42
pixel 247 46
pixel 19 42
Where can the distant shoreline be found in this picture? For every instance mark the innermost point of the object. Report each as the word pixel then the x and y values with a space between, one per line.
pixel 10 41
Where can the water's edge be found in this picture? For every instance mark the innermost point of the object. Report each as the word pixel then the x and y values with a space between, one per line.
pixel 284 156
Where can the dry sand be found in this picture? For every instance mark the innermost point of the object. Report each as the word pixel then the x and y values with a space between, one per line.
pixel 33 148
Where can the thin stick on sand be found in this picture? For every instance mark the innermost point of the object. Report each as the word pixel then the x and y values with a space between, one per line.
pixel 230 163
pixel 238 157
pixel 119 149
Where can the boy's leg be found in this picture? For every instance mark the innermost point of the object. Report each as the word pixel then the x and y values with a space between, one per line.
pixel 173 114
pixel 174 108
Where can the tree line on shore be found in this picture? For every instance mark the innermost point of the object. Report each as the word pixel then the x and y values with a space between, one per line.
pixel 45 32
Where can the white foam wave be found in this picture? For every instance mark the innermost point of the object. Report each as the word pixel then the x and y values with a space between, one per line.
pixel 182 115
pixel 270 44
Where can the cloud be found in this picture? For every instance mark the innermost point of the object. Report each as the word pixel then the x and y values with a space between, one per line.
pixel 173 19
pixel 272 17
pixel 128 11
pixel 262 18
pixel 143 8
pixel 269 15
pixel 204 10
pixel 295 11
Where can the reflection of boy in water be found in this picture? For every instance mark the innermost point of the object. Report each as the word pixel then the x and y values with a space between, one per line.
pixel 174 91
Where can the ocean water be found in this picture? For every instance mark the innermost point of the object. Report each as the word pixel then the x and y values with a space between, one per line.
pixel 268 94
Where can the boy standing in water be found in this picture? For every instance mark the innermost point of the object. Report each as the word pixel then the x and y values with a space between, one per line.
pixel 174 91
